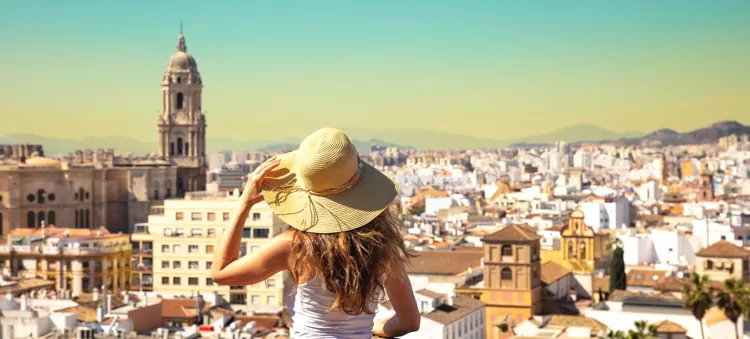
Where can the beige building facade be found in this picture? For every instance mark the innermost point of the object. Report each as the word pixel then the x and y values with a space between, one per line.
pixel 724 260
pixel 173 251
pixel 78 260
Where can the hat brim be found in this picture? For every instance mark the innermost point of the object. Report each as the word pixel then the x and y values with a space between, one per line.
pixel 333 213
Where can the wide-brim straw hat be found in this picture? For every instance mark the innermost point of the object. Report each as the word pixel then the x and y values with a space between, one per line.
pixel 325 187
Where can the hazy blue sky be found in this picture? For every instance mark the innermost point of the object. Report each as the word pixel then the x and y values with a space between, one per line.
pixel 282 68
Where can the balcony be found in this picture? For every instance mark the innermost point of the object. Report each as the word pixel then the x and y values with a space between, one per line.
pixel 143 268
pixel 142 228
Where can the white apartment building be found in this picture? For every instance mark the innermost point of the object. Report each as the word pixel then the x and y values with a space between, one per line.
pixel 612 213
pixel 444 316
pixel 674 248
pixel 181 238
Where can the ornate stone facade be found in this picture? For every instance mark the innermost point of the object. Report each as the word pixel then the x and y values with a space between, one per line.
pixel 91 189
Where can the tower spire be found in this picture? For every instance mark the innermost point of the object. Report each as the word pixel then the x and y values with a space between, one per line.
pixel 181 47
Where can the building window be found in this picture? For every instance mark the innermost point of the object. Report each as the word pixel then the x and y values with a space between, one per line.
pixel 40 217
pixel 167 232
pixel 583 250
pixel 50 218
pixel 88 218
pixel 571 250
pixel 179 216
pixel 506 251
pixel 196 232
pixel 30 219
pixel 261 233
pixel 165 280
pixel 30 198
pixel 270 283
pixel 271 300
pixel 156 194
pixel 256 216
pixel 192 248
pixel 196 216
pixel 164 248
pixel 209 265
pixel 211 216
pixel 246 233
pixel 211 232
pixel 225 216
pixel 176 248
pixel 209 248
pixel 209 282
pixel 40 196
pixel 254 248
pixel 506 274
pixel 193 265
pixel 176 281
pixel 179 100
pixel 193 281
pixel 164 264
pixel 179 232
pixel 710 264
pixel 176 264
pixel 255 300
pixel 179 146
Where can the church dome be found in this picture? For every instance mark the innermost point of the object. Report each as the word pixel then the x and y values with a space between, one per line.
pixel 182 66
pixel 181 62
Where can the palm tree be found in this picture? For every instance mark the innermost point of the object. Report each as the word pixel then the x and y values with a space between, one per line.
pixel 615 335
pixel 731 299
pixel 697 297
pixel 643 331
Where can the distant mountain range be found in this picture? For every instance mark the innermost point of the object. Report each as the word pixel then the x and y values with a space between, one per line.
pixel 418 139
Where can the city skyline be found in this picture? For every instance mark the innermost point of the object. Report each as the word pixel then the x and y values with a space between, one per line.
pixel 517 70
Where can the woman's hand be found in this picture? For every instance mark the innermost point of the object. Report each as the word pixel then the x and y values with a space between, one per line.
pixel 253 193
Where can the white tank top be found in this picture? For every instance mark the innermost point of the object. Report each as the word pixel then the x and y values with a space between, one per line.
pixel 311 318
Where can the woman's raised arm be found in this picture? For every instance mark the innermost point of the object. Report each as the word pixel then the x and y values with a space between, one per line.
pixel 257 266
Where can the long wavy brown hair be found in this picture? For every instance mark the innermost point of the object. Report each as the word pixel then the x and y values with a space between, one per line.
pixel 353 264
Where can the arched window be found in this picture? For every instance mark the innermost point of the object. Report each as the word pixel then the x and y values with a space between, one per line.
pixel 179 81
pixel 51 217
pixel 571 250
pixel 30 219
pixel 506 274
pixel 179 100
pixel 80 193
pixel 583 250
pixel 187 148
pixel 156 194
pixel 40 196
pixel 179 146
pixel 78 219
pixel 171 148
pixel 88 218
pixel 506 250
pixel 41 217
pixel 169 193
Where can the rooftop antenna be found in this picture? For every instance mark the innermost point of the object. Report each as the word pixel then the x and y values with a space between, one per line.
pixel 180 25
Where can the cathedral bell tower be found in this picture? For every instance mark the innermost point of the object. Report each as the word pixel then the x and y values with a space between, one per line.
pixel 181 122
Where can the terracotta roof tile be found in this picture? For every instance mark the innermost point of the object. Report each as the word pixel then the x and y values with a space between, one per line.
pixel 645 278
pixel 180 308
pixel 723 249
pixel 429 294
pixel 577 321
pixel 461 307
pixel 513 233
pixel 552 272
pixel 667 326
pixel 444 262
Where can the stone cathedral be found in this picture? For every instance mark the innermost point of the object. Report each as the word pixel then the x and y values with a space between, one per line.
pixel 99 188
